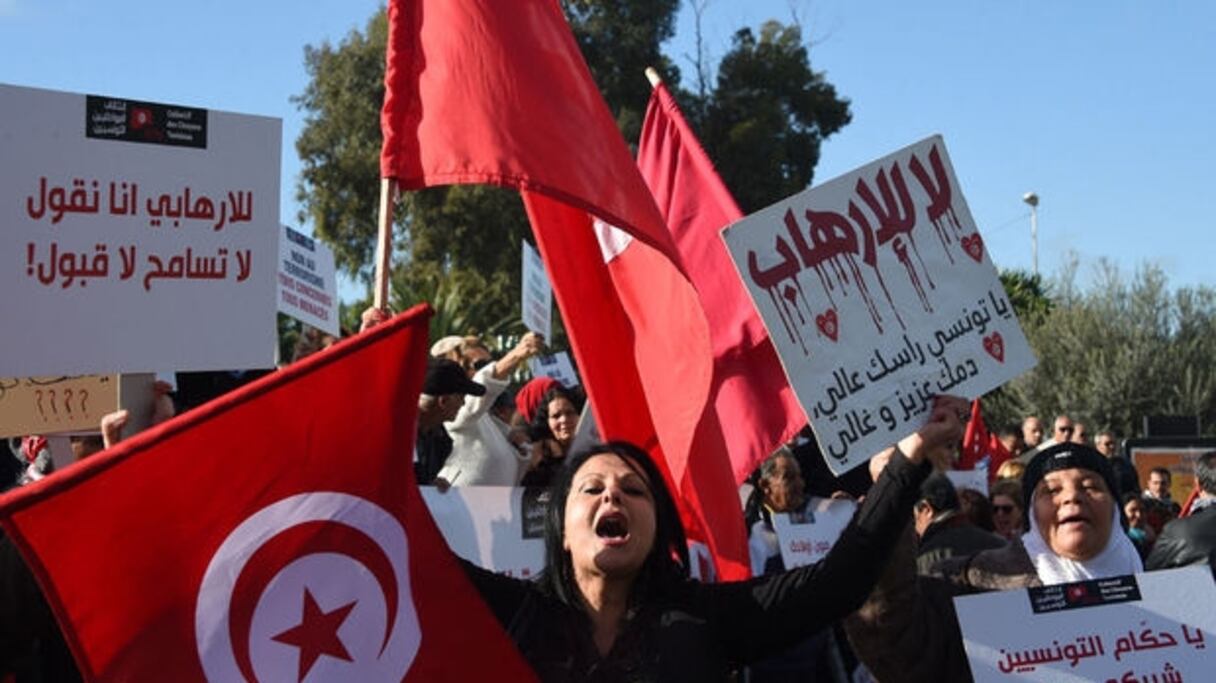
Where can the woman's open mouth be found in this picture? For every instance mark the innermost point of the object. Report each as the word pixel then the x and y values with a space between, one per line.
pixel 612 528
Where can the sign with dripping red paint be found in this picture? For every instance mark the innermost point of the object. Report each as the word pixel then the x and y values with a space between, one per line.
pixel 879 293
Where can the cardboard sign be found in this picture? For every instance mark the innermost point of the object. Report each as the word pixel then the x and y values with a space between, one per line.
pixel 879 294
pixel 136 236
pixel 49 405
pixel 808 539
pixel 557 366
pixel 537 305
pixel 307 290
pixel 499 528
pixel 1159 626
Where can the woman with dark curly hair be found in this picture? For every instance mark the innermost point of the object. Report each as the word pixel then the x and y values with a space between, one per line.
pixel 552 433
pixel 615 602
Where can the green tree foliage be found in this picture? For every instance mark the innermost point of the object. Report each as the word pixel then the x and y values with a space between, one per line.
pixel 1120 350
pixel 766 118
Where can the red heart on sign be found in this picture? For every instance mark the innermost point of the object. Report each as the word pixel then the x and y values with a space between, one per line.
pixel 995 346
pixel 827 324
pixel 974 246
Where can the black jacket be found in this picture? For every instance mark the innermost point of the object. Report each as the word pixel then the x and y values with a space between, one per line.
pixel 1185 541
pixel 700 632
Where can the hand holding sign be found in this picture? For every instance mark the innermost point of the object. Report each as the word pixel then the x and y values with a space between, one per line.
pixel 934 440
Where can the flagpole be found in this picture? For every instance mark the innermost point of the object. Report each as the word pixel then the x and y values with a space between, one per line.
pixel 653 77
pixel 384 242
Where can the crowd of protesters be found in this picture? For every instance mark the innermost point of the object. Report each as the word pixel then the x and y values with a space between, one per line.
pixel 1061 508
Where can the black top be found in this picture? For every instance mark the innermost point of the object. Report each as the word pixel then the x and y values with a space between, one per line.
pixel 700 632
pixel 1186 541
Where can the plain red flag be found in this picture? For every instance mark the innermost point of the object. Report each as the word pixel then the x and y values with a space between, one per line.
pixel 979 444
pixel 752 397
pixel 494 92
pixel 272 534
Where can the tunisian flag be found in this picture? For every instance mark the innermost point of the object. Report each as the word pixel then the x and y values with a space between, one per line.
pixel 980 444
pixel 497 92
pixel 752 397
pixel 274 534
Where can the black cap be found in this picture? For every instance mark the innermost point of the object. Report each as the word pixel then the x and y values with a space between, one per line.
pixel 1064 456
pixel 445 376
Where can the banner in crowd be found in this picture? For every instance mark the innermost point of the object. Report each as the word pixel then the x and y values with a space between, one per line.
pixel 50 405
pixel 1148 627
pixel 556 366
pixel 807 537
pixel 975 479
pixel 537 304
pixel 879 293
pixel 307 289
pixel 305 550
pixel 500 528
pixel 136 236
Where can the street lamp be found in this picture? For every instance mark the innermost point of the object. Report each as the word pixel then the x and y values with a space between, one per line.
pixel 1033 200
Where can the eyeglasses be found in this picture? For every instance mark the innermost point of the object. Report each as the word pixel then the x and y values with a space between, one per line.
pixel 1066 430
pixel 1003 509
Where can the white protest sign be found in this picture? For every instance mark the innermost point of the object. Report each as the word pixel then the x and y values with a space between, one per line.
pixel 976 479
pixel 556 366
pixel 135 236
pixel 878 294
pixel 807 537
pixel 500 528
pixel 537 305
pixel 1152 626
pixel 307 291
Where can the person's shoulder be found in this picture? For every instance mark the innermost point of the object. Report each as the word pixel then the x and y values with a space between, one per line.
pixel 1002 568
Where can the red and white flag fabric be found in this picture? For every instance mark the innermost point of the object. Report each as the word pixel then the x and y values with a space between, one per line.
pixel 751 394
pixel 274 534
pixel 493 92
pixel 980 445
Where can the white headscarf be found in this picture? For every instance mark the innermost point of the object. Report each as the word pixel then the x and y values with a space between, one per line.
pixel 1118 558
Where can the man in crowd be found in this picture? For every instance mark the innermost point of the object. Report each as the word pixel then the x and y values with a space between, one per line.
pixel 1125 474
pixel 1032 432
pixel 945 532
pixel 1159 506
pixel 1079 433
pixel 1061 432
pixel 443 394
pixel 1192 539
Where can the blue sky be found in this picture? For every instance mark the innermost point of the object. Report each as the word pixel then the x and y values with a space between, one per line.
pixel 1103 109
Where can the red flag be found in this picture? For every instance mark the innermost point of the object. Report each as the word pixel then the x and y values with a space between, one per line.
pixel 272 534
pixel 492 92
pixel 750 390
pixel 979 444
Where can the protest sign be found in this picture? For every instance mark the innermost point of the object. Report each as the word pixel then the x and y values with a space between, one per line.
pixel 500 528
pixel 807 537
pixel 976 479
pixel 307 291
pixel 135 236
pixel 537 303
pixel 49 405
pixel 556 366
pixel 878 292
pixel 1145 627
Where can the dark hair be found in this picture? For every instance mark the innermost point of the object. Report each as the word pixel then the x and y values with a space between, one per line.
pixel 1164 472
pixel 1205 472
pixel 668 558
pixel 976 507
pixel 538 429
pixel 1130 496
pixel 939 493
pixel 1009 488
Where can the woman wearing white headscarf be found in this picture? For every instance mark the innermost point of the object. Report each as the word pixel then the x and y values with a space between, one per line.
pixel 908 631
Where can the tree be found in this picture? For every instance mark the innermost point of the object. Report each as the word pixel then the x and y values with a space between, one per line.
pixel 768 116
pixel 1121 350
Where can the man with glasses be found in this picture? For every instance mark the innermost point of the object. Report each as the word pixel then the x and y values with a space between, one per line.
pixel 1061 432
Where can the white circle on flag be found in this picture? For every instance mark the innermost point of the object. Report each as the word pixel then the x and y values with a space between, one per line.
pixel 333 580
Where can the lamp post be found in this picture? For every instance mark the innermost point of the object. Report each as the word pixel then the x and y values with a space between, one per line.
pixel 1033 200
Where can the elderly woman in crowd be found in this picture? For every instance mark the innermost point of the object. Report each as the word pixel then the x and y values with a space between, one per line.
pixel 615 602
pixel 908 631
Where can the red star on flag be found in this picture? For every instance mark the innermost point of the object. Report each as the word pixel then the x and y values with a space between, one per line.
pixel 317 633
